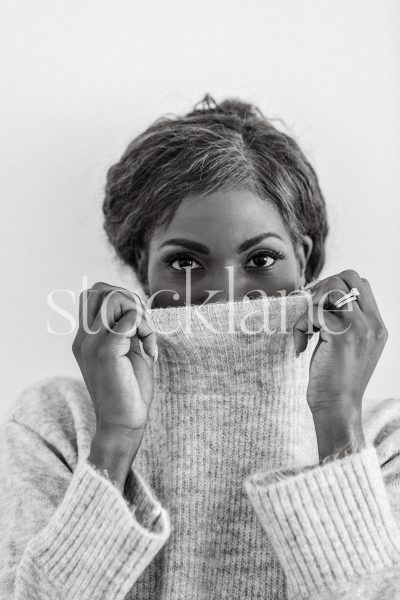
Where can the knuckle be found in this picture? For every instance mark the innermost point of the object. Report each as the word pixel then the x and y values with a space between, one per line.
pixel 351 273
pixel 369 334
pixel 99 285
pixel 110 294
pixel 337 282
pixel 381 332
pixel 81 348
pixel 110 302
pixel 75 347
pixel 116 295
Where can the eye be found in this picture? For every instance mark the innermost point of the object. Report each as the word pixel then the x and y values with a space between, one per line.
pixel 264 259
pixel 183 261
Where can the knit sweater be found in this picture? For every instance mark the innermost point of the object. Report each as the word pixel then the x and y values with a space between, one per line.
pixel 226 497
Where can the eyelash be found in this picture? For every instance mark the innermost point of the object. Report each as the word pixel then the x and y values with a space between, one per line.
pixel 276 254
pixel 169 259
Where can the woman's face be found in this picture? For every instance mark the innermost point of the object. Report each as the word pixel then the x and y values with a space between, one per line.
pixel 221 247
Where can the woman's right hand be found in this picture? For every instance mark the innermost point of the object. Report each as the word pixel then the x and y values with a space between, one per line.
pixel 118 377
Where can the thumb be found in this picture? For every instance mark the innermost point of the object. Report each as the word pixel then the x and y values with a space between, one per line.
pixel 142 369
pixel 302 333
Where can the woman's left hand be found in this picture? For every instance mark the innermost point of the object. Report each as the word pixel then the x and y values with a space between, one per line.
pixel 351 341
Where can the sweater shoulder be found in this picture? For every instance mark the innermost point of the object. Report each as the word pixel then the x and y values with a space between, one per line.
pixel 59 409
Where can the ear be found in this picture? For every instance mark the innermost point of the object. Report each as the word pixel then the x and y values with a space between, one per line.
pixel 303 252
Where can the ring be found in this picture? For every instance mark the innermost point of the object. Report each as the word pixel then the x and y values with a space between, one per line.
pixel 350 297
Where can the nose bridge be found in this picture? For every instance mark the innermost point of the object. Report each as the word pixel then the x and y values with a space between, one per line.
pixel 228 279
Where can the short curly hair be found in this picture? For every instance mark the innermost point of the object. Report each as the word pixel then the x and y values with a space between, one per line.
pixel 213 147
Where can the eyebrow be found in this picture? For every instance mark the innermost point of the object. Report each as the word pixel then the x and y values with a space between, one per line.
pixel 202 249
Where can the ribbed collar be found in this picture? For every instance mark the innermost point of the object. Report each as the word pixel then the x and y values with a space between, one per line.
pixel 244 386
pixel 173 321
pixel 238 343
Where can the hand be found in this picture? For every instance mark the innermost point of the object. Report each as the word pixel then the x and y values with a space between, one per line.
pixel 117 376
pixel 351 340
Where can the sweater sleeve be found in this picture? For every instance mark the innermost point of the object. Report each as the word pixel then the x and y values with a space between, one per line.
pixel 70 535
pixel 334 526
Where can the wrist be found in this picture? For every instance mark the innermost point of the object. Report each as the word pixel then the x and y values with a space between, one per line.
pixel 119 437
pixel 339 432
pixel 112 456
pixel 117 481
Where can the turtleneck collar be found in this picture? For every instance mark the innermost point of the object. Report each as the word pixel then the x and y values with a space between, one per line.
pixel 240 357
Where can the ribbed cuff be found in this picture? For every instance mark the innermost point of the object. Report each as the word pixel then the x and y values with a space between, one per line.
pixel 328 524
pixel 98 542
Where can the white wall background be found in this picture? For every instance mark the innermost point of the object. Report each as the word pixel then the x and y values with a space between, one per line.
pixel 80 79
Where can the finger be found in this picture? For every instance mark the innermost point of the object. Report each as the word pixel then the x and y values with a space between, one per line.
pixel 366 300
pixel 114 307
pixel 371 297
pixel 88 307
pixel 90 300
pixel 94 297
pixel 327 291
pixel 137 359
pixel 147 336
pixel 111 306
pixel 332 288
pixel 317 319
pixel 353 280
pixel 304 328
pixel 301 339
pixel 138 328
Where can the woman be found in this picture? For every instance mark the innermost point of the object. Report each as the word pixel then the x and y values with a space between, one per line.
pixel 107 499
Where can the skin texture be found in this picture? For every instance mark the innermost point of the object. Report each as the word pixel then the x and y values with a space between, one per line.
pixel 222 221
pixel 351 340
pixel 120 380
pixel 341 364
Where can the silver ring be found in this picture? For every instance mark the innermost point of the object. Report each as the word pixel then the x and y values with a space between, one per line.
pixel 350 297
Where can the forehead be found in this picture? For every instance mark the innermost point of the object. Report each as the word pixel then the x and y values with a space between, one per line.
pixel 234 213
